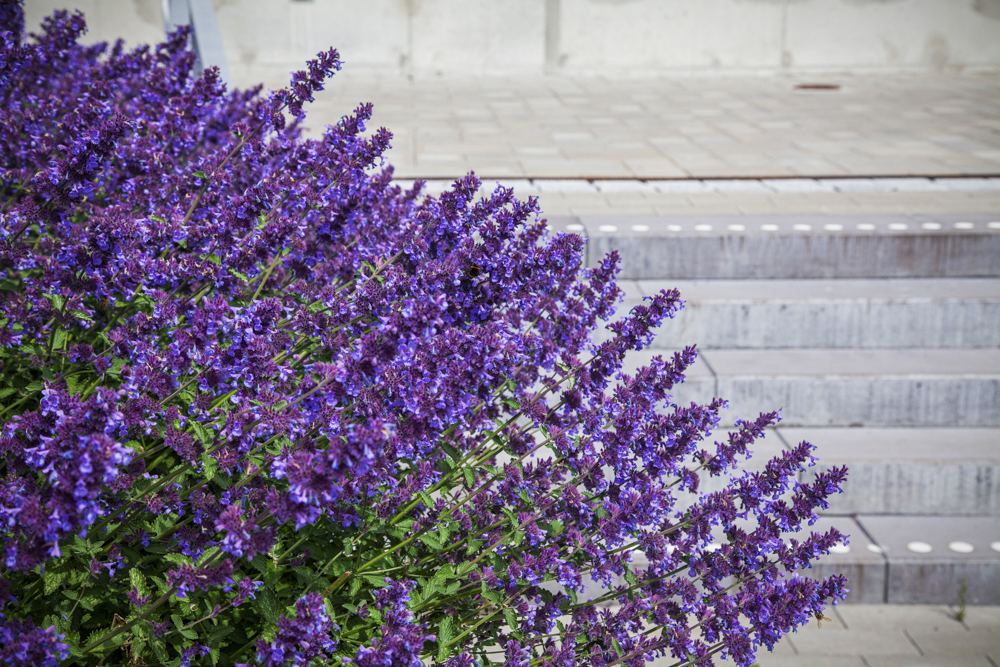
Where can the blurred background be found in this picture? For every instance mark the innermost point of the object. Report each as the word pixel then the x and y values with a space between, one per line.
pixel 819 178
pixel 583 37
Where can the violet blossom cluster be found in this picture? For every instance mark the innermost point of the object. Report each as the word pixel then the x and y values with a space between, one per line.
pixel 261 406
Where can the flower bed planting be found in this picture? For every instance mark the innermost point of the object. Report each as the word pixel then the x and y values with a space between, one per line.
pixel 259 405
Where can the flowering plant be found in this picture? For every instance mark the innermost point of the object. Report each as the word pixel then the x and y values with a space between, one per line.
pixel 262 406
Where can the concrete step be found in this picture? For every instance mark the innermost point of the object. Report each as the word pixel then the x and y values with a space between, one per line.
pixel 927 558
pixel 896 471
pixel 849 313
pixel 794 246
pixel 824 387
pixel 908 559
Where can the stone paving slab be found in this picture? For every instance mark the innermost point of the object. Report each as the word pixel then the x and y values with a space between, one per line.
pixel 849 387
pixel 847 313
pixel 925 471
pixel 928 556
pixel 563 126
pixel 930 661
pixel 915 636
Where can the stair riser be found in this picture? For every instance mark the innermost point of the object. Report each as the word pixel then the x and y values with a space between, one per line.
pixel 849 401
pixel 900 488
pixel 859 324
pixel 801 256
pixel 912 582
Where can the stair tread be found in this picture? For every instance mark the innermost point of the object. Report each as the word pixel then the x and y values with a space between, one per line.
pixel 854 362
pixel 820 290
pixel 896 536
pixel 824 224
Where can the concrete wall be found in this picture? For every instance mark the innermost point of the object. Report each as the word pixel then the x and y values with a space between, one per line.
pixel 583 36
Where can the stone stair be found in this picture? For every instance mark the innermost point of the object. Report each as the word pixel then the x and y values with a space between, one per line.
pixel 879 337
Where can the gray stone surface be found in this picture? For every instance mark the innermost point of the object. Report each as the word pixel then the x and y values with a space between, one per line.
pixel 859 387
pixel 951 660
pixel 801 246
pixel 831 640
pixel 765 659
pixel 915 636
pixel 944 471
pixel 934 576
pixel 847 387
pixel 823 313
pixel 864 568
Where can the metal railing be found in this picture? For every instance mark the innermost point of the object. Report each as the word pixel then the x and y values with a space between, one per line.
pixel 200 15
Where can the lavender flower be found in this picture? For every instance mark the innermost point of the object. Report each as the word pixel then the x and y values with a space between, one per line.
pixel 237 364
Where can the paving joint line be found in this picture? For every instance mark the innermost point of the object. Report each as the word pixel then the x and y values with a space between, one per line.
pixel 915 645
pixel 881 552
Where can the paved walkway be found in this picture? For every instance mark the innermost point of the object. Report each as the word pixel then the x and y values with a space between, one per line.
pixel 694 127
pixel 893 636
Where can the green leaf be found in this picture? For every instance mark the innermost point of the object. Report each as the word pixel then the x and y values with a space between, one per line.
pixel 375 580
pixel 138 581
pixel 209 467
pixel 446 632
pixel 509 513
pixel 511 617
pixel 511 403
pixel 201 432
pixel 455 455
pixel 268 604
pixel 179 623
pixel 159 650
pixel 426 499
pixel 556 527
pixel 58 301
pixel 200 174
pixel 219 633
pixel 242 276
pixel 4 393
pixel 54 580
pixel 433 540
pixel 90 600
pixel 470 478
pixel 618 648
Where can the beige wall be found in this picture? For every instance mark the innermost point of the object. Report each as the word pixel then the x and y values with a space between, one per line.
pixel 582 36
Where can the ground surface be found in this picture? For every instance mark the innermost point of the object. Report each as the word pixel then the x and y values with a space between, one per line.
pixel 696 127
pixel 548 136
